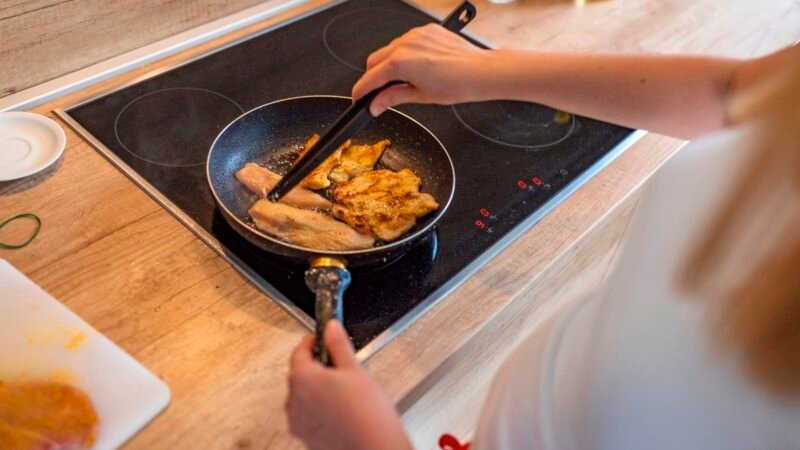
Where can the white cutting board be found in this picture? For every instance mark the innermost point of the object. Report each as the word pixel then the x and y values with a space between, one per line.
pixel 41 339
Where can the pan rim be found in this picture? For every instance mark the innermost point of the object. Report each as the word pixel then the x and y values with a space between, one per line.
pixel 343 253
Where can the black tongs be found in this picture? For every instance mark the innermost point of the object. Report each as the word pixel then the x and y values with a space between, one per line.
pixel 355 118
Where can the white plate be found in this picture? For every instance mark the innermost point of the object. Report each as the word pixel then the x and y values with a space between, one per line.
pixel 29 143
pixel 40 339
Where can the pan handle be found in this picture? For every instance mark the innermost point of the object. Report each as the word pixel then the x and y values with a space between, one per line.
pixel 460 17
pixel 328 278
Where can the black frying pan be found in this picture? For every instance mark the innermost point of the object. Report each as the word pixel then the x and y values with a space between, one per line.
pixel 271 135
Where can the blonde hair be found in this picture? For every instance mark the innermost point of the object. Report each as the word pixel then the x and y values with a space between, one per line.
pixel 759 317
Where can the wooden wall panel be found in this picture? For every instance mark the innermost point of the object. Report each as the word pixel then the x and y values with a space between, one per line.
pixel 43 39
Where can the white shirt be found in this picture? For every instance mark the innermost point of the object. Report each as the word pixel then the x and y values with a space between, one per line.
pixel 633 366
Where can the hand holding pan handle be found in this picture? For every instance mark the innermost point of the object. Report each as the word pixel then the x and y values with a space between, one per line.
pixel 328 278
pixel 355 118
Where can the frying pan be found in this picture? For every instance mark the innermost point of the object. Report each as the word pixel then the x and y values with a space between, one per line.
pixel 271 135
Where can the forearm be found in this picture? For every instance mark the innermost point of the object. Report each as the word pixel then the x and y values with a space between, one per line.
pixel 681 96
pixel 676 95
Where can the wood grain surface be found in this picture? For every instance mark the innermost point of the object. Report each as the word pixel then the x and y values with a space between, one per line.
pixel 117 259
pixel 43 39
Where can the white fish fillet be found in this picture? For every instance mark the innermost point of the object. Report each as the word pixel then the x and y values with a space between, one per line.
pixel 307 228
pixel 260 180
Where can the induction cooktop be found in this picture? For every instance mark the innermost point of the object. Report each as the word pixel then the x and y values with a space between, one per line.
pixel 514 161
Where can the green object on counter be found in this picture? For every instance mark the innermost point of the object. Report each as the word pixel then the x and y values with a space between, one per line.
pixel 33 217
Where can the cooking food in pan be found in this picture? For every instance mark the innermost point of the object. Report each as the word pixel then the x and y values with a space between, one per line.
pixel 369 204
pixel 383 203
pixel 318 179
pixel 307 228
pixel 45 415
pixel 356 159
pixel 262 135
pixel 259 180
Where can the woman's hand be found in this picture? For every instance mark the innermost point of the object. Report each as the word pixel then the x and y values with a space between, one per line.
pixel 339 407
pixel 439 66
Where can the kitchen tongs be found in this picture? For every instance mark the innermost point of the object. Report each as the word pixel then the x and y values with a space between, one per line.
pixel 355 118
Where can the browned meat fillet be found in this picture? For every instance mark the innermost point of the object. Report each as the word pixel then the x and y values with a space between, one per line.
pixel 260 180
pixel 307 146
pixel 383 203
pixel 356 159
pixel 318 178
pixel 307 228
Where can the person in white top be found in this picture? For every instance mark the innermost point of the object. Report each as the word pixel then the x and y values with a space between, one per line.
pixel 694 341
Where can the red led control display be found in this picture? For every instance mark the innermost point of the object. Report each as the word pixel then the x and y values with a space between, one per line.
pixel 531 185
pixel 485 222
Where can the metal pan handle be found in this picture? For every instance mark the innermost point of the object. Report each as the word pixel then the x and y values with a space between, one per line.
pixel 460 17
pixel 328 278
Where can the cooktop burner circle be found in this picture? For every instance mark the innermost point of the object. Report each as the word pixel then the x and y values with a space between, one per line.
pixel 371 28
pixel 516 124
pixel 164 127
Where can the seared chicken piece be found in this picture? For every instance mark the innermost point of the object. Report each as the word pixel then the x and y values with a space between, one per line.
pixel 318 178
pixel 260 180
pixel 307 228
pixel 45 415
pixel 383 203
pixel 357 159
pixel 307 146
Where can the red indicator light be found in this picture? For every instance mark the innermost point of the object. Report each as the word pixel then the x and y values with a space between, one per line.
pixel 485 212
pixel 480 224
pixel 522 184
pixel 537 181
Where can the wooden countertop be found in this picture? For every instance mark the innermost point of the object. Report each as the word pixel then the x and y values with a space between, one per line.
pixel 124 264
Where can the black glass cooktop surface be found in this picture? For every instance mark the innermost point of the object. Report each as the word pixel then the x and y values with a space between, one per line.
pixel 513 161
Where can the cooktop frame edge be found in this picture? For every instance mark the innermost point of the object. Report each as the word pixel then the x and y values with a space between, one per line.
pixel 382 339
